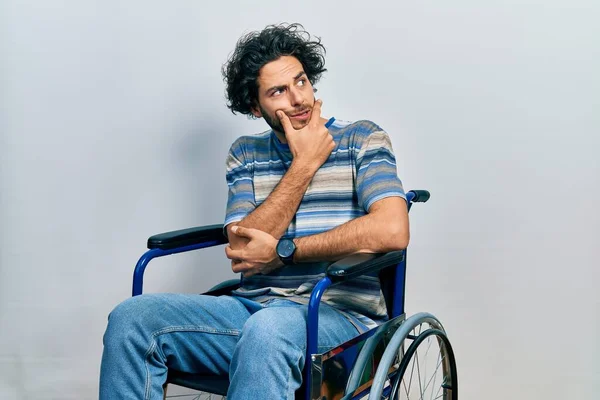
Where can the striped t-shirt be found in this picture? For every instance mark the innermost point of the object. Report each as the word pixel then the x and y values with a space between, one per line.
pixel 360 170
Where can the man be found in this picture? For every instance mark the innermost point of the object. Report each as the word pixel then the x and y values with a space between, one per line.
pixel 307 192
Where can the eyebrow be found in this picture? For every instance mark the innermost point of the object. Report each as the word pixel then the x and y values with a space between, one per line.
pixel 279 87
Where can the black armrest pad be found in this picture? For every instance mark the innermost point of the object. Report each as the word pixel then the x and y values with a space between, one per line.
pixel 361 264
pixel 186 237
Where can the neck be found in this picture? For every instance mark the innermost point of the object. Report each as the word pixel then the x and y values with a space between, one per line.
pixel 280 136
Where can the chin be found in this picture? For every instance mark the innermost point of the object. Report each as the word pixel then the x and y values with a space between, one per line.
pixel 300 125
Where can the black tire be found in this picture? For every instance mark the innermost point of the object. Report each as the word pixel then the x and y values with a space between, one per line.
pixel 449 388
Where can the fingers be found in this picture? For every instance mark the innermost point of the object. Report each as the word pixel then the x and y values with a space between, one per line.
pixel 233 254
pixel 285 121
pixel 243 267
pixel 316 111
pixel 238 266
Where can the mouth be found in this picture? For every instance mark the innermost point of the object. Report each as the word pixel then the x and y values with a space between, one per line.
pixel 302 115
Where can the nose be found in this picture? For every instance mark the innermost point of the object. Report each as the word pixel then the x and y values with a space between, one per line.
pixel 296 98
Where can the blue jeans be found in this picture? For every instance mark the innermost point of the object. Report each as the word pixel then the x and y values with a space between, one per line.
pixel 260 346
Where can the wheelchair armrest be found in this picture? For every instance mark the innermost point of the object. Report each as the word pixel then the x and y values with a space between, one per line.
pixel 187 237
pixel 361 264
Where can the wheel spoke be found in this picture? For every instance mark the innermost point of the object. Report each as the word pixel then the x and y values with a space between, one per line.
pixel 436 393
pixel 426 370
pixel 419 373
pixel 427 359
pixel 434 374
pixel 412 370
pixel 405 390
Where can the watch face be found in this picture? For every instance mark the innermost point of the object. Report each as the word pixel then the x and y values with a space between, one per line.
pixel 285 248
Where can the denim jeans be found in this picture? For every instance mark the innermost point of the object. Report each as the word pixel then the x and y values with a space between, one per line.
pixel 260 346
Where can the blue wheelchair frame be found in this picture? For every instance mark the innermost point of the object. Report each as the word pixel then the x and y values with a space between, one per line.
pixel 185 240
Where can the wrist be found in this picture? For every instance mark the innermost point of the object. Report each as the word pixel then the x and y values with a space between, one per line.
pixel 304 167
pixel 296 257
pixel 285 250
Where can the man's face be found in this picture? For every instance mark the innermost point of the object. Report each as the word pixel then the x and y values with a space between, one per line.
pixel 283 85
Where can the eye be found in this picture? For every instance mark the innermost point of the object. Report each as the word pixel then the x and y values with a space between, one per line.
pixel 302 82
pixel 277 92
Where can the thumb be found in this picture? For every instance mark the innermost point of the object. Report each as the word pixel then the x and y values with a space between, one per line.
pixel 285 122
pixel 243 232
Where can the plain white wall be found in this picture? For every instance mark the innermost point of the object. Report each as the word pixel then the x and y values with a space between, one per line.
pixel 113 128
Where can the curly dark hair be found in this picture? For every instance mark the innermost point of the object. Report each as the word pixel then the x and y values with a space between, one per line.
pixel 256 49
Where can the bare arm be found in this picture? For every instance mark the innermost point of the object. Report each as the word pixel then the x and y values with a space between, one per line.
pixel 385 228
pixel 310 147
pixel 276 212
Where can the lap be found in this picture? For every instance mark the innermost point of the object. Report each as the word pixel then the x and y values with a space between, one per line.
pixel 227 312
pixel 189 329
pixel 281 317
pixel 158 311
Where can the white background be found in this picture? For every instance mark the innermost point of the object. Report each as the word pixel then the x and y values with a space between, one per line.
pixel 113 128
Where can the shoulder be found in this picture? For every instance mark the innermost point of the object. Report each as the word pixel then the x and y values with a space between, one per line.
pixel 245 145
pixel 358 132
pixel 252 140
pixel 363 126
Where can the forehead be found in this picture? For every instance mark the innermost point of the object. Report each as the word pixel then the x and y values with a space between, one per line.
pixel 279 72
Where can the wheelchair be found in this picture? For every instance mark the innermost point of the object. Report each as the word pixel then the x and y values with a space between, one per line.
pixel 403 358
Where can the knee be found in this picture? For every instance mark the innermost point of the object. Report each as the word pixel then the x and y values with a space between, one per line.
pixel 126 318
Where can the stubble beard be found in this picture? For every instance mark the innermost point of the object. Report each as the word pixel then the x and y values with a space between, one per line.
pixel 275 123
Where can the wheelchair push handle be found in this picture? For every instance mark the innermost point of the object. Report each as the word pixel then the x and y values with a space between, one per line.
pixel 418 196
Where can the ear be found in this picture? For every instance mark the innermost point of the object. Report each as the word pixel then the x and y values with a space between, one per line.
pixel 256 112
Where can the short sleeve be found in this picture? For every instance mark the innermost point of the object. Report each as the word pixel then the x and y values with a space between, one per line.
pixel 240 199
pixel 376 173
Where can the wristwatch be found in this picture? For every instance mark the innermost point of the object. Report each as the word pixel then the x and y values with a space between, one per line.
pixel 285 250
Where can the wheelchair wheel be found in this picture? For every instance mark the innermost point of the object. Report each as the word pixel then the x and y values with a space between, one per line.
pixel 421 374
pixel 418 363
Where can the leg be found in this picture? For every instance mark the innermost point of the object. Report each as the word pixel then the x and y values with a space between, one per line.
pixel 148 334
pixel 270 354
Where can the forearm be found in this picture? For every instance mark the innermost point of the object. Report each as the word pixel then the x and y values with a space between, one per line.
pixel 277 211
pixel 370 233
pixel 310 147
